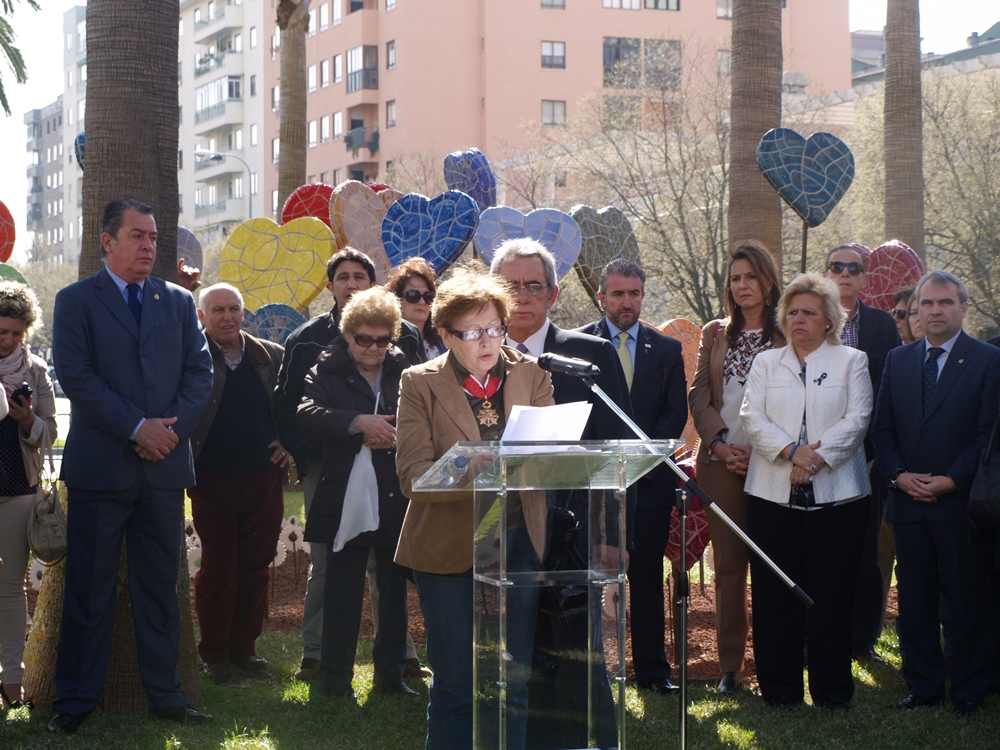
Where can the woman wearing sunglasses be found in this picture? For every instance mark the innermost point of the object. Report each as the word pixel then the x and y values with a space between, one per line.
pixel 413 282
pixel 349 402
pixel 466 395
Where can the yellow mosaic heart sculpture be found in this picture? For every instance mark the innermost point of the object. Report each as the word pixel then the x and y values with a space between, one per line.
pixel 272 263
pixel 356 213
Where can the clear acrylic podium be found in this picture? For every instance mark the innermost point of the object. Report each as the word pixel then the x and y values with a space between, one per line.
pixel 549 589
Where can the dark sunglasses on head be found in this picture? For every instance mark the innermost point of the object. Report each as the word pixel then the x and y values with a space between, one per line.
pixel 494 332
pixel 413 296
pixel 900 314
pixel 366 341
pixel 854 267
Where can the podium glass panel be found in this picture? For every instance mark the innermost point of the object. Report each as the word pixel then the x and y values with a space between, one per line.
pixel 549 582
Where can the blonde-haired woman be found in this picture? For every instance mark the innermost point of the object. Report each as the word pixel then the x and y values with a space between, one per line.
pixel 806 412
pixel 28 425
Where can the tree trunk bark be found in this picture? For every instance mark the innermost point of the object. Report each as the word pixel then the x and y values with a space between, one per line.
pixel 903 126
pixel 292 157
pixel 131 121
pixel 754 206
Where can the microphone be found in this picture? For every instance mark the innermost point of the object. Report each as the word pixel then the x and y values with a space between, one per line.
pixel 569 366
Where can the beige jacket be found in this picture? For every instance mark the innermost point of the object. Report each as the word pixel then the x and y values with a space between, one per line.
pixel 432 416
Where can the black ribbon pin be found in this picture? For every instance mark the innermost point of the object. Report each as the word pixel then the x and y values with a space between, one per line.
pixel 820 379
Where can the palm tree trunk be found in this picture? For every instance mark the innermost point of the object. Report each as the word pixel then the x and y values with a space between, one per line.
pixel 292 159
pixel 903 126
pixel 754 206
pixel 131 121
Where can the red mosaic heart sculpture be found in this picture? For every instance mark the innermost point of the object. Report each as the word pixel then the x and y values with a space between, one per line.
pixel 6 233
pixel 891 267
pixel 308 200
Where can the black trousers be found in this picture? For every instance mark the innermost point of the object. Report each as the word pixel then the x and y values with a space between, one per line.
pixel 866 617
pixel 820 550
pixel 645 580
pixel 343 595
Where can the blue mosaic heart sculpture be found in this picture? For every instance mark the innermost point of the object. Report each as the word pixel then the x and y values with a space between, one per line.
pixel 272 322
pixel 607 234
pixel 470 172
pixel 189 248
pixel 79 147
pixel 437 230
pixel 558 231
pixel 810 174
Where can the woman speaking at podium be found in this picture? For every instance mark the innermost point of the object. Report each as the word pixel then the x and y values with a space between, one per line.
pixel 466 395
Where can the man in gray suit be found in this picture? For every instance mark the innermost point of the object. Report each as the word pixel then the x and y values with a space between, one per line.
pixel 138 374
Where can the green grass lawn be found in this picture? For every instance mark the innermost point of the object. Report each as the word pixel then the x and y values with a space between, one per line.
pixel 275 711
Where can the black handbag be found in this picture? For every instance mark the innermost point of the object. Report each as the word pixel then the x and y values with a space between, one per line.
pixel 984 497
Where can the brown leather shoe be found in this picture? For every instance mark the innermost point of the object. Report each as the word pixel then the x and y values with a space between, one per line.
pixel 416 669
pixel 309 670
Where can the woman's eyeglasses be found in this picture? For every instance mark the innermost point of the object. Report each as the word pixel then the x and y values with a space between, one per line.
pixel 855 268
pixel 365 342
pixel 413 296
pixel 494 332
pixel 900 314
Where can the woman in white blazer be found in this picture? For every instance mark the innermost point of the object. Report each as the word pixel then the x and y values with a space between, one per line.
pixel 805 413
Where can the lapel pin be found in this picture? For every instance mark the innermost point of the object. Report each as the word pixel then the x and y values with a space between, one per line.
pixel 156 296
pixel 961 361
pixel 648 346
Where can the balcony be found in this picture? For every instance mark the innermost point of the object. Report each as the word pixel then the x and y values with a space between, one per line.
pixel 209 169
pixel 228 17
pixel 231 61
pixel 229 112
pixel 366 78
pixel 227 209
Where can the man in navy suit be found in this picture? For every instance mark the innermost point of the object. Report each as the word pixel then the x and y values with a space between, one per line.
pixel 874 332
pixel 935 409
pixel 653 367
pixel 138 374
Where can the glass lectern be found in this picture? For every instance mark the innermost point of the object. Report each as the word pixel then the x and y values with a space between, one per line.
pixel 549 635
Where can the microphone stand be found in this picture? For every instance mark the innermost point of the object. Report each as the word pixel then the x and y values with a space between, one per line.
pixel 691 488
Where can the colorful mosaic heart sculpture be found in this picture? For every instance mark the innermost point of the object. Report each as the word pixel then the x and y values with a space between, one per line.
pixel 357 211
pixel 689 336
pixel 378 187
pixel 189 248
pixel 810 174
pixel 9 273
pixel 893 266
pixel 80 148
pixel 272 322
pixel 437 230
pixel 7 232
pixel 605 235
pixel 470 172
pixel 308 200
pixel 277 264
pixel 556 230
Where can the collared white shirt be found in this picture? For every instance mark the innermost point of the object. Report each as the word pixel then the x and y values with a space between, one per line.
pixel 535 343
pixel 123 285
pixel 943 356
pixel 633 336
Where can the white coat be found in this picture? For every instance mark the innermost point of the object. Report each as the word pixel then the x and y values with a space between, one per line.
pixel 837 400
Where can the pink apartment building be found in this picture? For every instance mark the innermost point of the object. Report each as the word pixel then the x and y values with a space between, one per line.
pixel 434 76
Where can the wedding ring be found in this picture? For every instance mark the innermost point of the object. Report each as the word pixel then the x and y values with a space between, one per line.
pixel 812 466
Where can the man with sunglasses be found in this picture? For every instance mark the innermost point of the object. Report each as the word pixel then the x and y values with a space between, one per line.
pixel 874 332
pixel 347 272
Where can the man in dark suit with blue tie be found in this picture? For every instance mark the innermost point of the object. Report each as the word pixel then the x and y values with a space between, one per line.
pixel 935 408
pixel 653 367
pixel 137 370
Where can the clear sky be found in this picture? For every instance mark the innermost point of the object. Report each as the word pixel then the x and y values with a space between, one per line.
pixel 945 24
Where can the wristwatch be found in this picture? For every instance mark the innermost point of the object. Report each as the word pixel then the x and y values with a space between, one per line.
pixel 894 478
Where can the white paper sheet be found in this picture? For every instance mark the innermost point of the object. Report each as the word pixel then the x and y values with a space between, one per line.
pixel 559 422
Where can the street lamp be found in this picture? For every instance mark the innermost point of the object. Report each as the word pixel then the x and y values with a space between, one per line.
pixel 214 155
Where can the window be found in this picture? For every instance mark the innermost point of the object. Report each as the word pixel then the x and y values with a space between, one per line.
pixel 724 9
pixel 336 12
pixel 275 149
pixel 553 113
pixel 311 129
pixel 324 16
pixel 253 37
pixel 83 72
pixel 338 125
pixel 274 202
pixel 662 59
pixel 324 132
pixel 312 22
pixel 180 160
pixel 724 59
pixel 337 173
pixel 238 139
pixel 237 43
pixel 275 98
pixel 390 5
pixel 362 68
pixel 553 54
pixel 197 15
pixel 390 114
pixel 69 78
pixel 253 134
pixel 663 4
pixel 553 4
pixel 311 78
pixel 253 85
pixel 237 187
pixel 211 10
pixel 81 36
pixel 390 55
pixel 622 4
pixel 621 62
pixel 253 183
pixel 622 112
pixel 324 74
pixel 338 68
